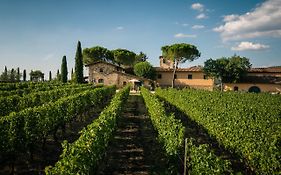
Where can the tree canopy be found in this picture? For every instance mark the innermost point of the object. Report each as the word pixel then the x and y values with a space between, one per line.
pixel 10 75
pixel 36 75
pixel 141 57
pixel 97 53
pixel 145 70
pixel 180 53
pixel 124 57
pixel 227 69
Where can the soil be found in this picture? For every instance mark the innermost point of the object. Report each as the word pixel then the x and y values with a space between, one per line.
pixel 134 148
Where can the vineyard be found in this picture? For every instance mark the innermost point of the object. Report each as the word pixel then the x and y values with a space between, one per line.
pixel 66 129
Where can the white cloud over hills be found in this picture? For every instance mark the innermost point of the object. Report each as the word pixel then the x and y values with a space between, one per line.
pixel 263 21
pixel 245 45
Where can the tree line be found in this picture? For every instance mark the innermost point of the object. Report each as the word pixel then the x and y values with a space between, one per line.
pixel 225 69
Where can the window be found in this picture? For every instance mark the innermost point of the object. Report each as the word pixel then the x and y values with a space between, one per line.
pixel 101 69
pixel 175 77
pixel 189 76
pixel 254 89
pixel 159 76
pixel 235 88
pixel 100 81
pixel 205 77
pixel 124 83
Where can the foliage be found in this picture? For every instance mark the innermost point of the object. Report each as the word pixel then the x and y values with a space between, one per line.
pixel 22 89
pixel 79 64
pixel 180 53
pixel 124 57
pixel 83 155
pixel 203 161
pixel 10 75
pixel 18 76
pixel 227 69
pixel 141 57
pixel 50 75
pixel 36 75
pixel 17 103
pixel 24 75
pixel 98 53
pixel 247 124
pixel 22 131
pixel 64 70
pixel 145 70
pixel 170 130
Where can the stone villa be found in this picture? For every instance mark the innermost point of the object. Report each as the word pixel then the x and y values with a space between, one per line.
pixel 257 80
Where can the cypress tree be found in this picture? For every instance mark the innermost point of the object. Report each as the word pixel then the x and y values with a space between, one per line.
pixel 5 77
pixel 64 70
pixel 72 75
pixel 18 74
pixel 12 77
pixel 24 75
pixel 79 64
pixel 50 76
pixel 58 75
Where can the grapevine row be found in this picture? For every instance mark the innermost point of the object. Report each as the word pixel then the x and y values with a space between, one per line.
pixel 83 155
pixel 22 131
pixel 247 124
pixel 17 103
pixel 171 133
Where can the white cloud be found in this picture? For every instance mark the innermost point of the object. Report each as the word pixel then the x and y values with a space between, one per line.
pixel 263 21
pixel 181 35
pixel 229 18
pixel 245 45
pixel 201 16
pixel 120 28
pixel 198 7
pixel 184 24
pixel 198 27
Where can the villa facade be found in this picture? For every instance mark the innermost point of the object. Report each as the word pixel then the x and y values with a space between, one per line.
pixel 257 79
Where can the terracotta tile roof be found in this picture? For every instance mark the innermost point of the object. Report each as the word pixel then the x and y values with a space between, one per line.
pixel 189 69
pixel 276 69
pixel 261 79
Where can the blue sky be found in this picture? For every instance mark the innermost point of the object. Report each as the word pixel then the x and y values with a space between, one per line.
pixel 35 34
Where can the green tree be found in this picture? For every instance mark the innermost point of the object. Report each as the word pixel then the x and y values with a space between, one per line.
pixel 4 76
pixel 141 57
pixel 72 75
pixel 50 76
pixel 124 57
pixel 145 69
pixel 64 70
pixel 79 64
pixel 180 53
pixel 24 75
pixel 227 70
pixel 12 75
pixel 58 75
pixel 36 75
pixel 18 76
pixel 97 53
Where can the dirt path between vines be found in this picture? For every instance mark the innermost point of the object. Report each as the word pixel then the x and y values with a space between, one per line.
pixel 134 148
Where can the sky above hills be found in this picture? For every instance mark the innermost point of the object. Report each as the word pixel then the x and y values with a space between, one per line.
pixel 35 34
